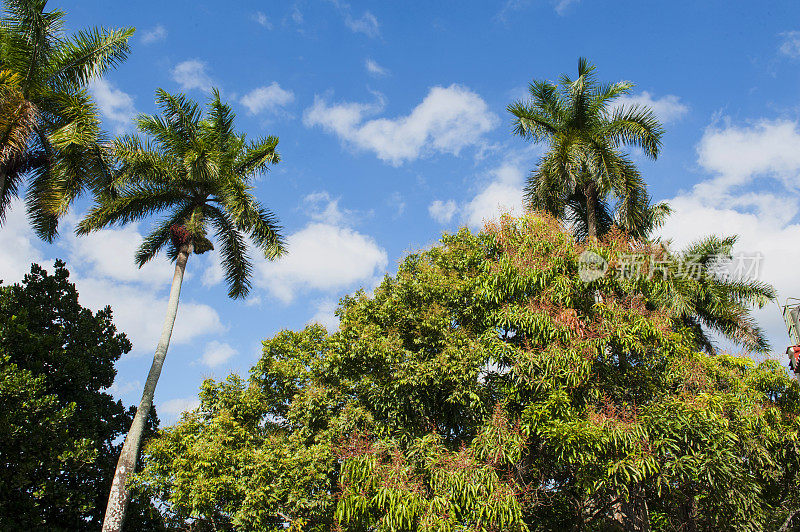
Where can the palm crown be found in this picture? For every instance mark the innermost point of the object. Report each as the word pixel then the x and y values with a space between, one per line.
pixel 584 165
pixel 200 171
pixel 707 300
pixel 49 129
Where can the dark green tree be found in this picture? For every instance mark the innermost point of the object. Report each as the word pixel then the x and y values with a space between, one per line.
pixel 584 167
pixel 58 427
pixel 200 171
pixel 49 128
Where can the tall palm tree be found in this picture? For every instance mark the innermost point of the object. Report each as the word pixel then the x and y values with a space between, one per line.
pixel 584 166
pixel 49 128
pixel 200 171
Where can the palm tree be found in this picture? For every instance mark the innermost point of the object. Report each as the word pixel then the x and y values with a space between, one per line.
pixel 49 128
pixel 703 299
pixel 583 166
pixel 200 171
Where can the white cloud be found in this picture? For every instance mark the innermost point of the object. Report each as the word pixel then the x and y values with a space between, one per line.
pixel 442 211
pixel 262 19
pixel 367 24
pixel 297 15
pixel 213 273
pixel 191 74
pixel 122 389
pixel 791 43
pixel 109 253
pixel 325 315
pixel 561 6
pixel 271 98
pixel 156 34
pixel 752 192
pixel 217 353
pixel 667 108
pixel 321 207
pixel 396 203
pixel 115 105
pixel 322 257
pixel 763 149
pixel 16 243
pixel 503 194
pixel 374 68
pixel 139 311
pixel 102 267
pixel 170 410
pixel 446 121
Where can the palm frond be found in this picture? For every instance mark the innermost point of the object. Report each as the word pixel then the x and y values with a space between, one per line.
pixel 236 264
pixel 135 202
pixel 88 54
pixel 636 126
pixel 257 157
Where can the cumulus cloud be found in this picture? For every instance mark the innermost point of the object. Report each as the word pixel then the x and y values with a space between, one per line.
pixel 322 257
pixel 668 108
pixel 321 207
pixel 325 315
pixel 738 154
pixel 17 242
pixel 171 409
pixel 217 353
pixel 109 253
pixel 790 45
pixel 122 389
pixel 191 74
pixel 115 105
pixel 447 120
pixel 269 98
pixel 751 192
pixel 442 211
pixel 102 267
pixel 262 19
pixel 153 35
pixel 139 311
pixel 503 194
pixel 374 68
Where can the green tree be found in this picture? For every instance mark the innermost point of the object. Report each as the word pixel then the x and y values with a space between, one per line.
pixel 57 426
pixel 200 171
pixel 49 128
pixel 583 165
pixel 484 387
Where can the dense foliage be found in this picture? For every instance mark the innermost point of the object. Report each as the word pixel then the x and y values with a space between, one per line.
pixel 57 426
pixel 487 386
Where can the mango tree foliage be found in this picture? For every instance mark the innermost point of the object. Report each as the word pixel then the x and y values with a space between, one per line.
pixel 487 387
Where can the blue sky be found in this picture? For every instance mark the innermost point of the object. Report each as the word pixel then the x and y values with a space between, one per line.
pixel 393 129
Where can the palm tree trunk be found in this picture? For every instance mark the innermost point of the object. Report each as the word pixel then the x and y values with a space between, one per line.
pixel 119 495
pixel 591 209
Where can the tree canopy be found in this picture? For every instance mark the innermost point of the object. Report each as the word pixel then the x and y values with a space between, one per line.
pixel 58 427
pixel 486 386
